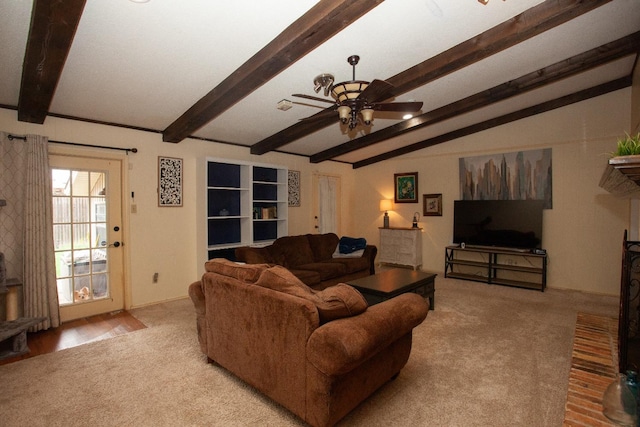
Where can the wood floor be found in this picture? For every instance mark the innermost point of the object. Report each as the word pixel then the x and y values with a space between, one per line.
pixel 77 332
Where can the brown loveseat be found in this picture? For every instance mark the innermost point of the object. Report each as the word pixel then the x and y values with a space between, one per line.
pixel 317 353
pixel 310 258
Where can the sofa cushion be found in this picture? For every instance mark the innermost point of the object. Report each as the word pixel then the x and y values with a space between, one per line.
pixel 352 265
pixel 332 303
pixel 294 249
pixel 340 301
pixel 247 273
pixel 280 279
pixel 323 245
pixel 252 255
pixel 327 270
pixel 308 277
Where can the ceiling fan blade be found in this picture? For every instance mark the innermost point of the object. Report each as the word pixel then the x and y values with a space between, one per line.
pixel 313 98
pixel 306 104
pixel 321 115
pixel 398 106
pixel 377 90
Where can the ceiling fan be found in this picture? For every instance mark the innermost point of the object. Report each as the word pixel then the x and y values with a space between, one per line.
pixel 356 100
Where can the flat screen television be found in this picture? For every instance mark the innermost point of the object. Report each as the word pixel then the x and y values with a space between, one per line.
pixel 502 223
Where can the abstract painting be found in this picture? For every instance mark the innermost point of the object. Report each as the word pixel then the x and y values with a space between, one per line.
pixel 519 175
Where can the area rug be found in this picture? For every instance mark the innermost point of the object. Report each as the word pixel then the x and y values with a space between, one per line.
pixel 593 368
pixel 487 356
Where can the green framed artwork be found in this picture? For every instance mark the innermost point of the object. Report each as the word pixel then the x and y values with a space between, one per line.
pixel 406 187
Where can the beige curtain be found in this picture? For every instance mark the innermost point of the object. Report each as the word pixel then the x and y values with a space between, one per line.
pixel 26 225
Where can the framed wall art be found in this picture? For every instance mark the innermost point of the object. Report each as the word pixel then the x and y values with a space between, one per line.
pixel 432 205
pixel 169 181
pixel 405 187
pixel 294 188
pixel 517 175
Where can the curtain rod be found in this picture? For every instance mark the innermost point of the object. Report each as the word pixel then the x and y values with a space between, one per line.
pixel 24 138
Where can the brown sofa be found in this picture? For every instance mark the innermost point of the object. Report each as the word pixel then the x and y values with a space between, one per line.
pixel 310 258
pixel 317 353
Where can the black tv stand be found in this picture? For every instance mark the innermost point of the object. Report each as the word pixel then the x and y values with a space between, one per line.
pixel 493 265
pixel 499 248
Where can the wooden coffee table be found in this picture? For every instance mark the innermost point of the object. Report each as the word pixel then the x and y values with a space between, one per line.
pixel 390 283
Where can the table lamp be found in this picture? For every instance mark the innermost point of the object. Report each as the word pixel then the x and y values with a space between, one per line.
pixel 385 206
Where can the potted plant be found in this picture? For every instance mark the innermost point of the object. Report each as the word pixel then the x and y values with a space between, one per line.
pixel 628 146
pixel 622 176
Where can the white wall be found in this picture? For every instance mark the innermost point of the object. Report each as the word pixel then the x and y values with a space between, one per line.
pixel 582 233
pixel 165 239
pixel 584 230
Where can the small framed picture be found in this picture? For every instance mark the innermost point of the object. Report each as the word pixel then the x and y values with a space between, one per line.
pixel 432 205
pixel 406 187
pixel 169 181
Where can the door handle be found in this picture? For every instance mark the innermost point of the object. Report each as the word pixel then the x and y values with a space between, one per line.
pixel 115 244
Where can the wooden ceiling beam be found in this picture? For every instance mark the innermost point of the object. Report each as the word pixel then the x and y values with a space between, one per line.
pixel 499 121
pixel 321 22
pixel 53 27
pixel 524 26
pixel 530 23
pixel 544 76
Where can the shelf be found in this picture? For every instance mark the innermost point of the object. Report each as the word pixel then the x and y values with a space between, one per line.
pixel 463 276
pixel 621 177
pixel 227 217
pixel 469 263
pixel 515 283
pixel 520 268
pixel 238 196
pixel 629 166
pixel 494 270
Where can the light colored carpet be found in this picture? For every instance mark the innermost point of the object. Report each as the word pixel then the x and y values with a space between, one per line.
pixel 487 356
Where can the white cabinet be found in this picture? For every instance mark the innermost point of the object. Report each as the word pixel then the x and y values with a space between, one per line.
pixel 401 246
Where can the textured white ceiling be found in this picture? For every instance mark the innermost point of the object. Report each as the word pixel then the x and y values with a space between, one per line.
pixel 145 64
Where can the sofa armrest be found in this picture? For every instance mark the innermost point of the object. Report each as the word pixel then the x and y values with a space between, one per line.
pixel 197 297
pixel 339 346
pixel 370 252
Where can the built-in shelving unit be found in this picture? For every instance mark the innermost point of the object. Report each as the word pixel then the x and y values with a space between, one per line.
pixel 246 205
pixel 499 266
pixel 269 207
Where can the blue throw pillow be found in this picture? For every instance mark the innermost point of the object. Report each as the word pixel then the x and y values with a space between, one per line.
pixel 351 244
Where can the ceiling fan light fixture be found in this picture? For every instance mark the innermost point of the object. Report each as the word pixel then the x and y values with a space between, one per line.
pixel 344 91
pixel 407 116
pixel 325 81
pixel 367 115
pixel 344 112
pixel 356 100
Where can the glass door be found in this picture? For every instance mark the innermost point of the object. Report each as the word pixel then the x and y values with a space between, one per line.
pixel 87 235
